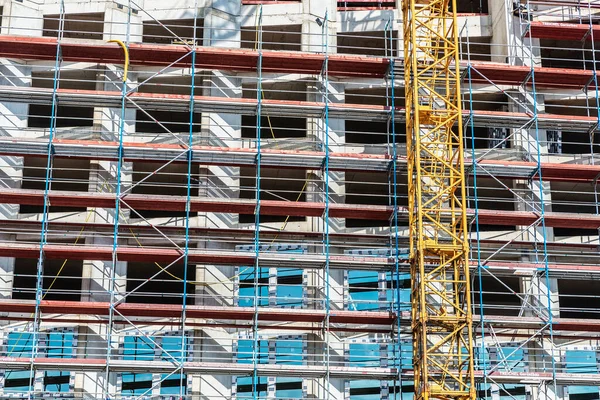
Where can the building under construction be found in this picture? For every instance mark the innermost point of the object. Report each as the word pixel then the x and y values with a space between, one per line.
pixel 229 199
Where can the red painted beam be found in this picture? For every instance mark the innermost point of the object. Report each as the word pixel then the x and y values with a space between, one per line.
pixel 245 60
pixel 503 74
pixel 177 203
pixel 552 219
pixel 44 48
pixel 193 311
pixel 166 255
pixel 554 172
pixel 563 31
pixel 276 207
pixel 550 171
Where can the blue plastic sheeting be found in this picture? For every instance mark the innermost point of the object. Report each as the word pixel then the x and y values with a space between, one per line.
pixel 289 292
pixel 287 352
pixel 581 362
pixel 141 348
pixel 20 344
pixel 364 294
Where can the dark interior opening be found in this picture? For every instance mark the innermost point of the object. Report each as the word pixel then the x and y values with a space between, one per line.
pixel 471 6
pixel 274 127
pixel 171 180
pixel 67 174
pixel 276 184
pixel 40 116
pixel 66 286
pixel 368 132
pixel 579 299
pixel 80 26
pixel 174 121
pixel 497 298
pixel 165 288
pixel 181 30
pixel 274 37
pixel 373 43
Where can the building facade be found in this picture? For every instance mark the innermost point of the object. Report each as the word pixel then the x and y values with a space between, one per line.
pixel 206 199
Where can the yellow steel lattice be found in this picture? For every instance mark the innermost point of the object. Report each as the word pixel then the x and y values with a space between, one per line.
pixel 441 314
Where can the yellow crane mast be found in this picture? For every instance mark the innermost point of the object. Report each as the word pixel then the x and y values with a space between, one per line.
pixel 441 307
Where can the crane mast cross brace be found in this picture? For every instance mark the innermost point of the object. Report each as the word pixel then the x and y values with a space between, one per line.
pixel 441 309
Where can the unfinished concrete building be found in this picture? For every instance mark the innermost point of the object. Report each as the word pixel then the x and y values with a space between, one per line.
pixel 222 214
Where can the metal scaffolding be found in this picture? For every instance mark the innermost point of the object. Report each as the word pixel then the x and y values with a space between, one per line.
pixel 211 200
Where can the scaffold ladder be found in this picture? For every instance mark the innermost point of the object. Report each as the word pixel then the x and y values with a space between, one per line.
pixel 441 309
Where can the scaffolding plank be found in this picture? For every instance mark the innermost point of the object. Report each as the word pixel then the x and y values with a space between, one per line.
pixel 44 48
pixel 282 208
pixel 244 60
pixel 218 313
pixel 563 31
pixel 206 155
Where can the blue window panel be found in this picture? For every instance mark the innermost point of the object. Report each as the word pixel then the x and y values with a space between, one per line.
pixel 362 277
pixel 512 359
pixel 60 345
pixel 246 298
pixel 172 348
pixel 288 352
pixel 289 291
pixel 289 295
pixel 246 348
pixel 364 301
pixel 288 388
pixel 406 355
pixel 244 387
pixel 364 291
pixel 18 344
pixel 247 287
pixel 364 355
pixel 404 284
pixel 481 357
pixel 581 362
pixel 137 348
pixel 288 272
pixel 365 390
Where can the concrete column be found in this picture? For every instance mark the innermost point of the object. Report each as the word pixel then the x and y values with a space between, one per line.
pixel 116 23
pixel 312 32
pixel 547 391
pixel 13 117
pixel 531 195
pixel 318 388
pixel 221 29
pixel 508 41
pixel 20 18
pixel 222 23
pixel 212 345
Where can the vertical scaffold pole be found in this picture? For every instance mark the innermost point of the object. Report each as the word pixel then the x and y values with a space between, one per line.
pixel 259 97
pixel 326 227
pixel 439 247
pixel 39 288
pixel 190 157
pixel 114 259
pixel 394 231
pixel 542 219
pixel 480 267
